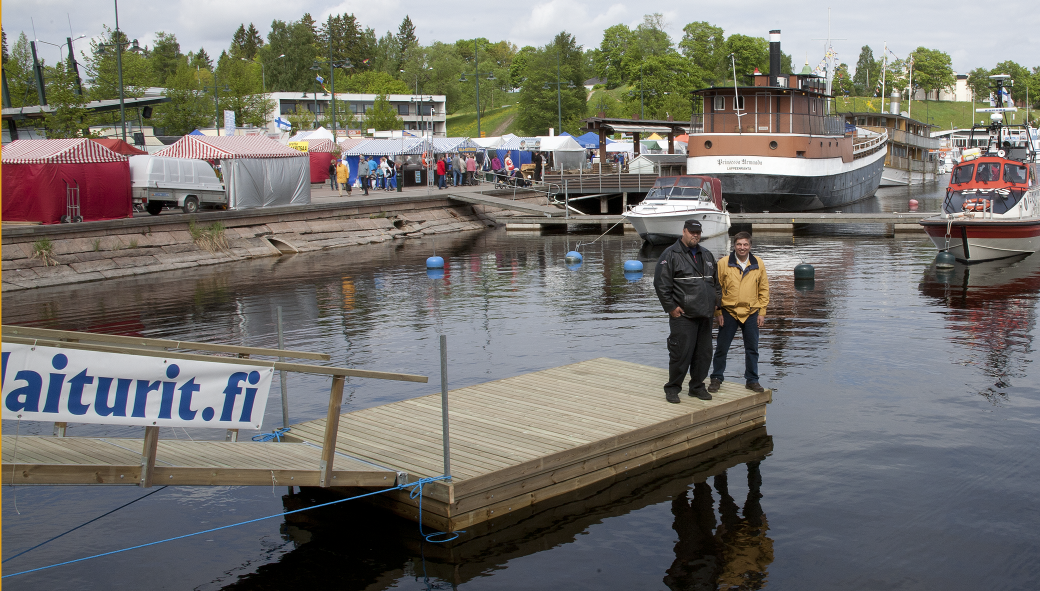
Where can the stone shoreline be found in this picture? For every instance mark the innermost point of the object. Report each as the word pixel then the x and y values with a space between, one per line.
pixel 84 254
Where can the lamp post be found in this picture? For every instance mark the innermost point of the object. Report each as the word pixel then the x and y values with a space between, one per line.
pixel 216 101
pixel 119 67
pixel 422 128
pixel 476 79
pixel 559 101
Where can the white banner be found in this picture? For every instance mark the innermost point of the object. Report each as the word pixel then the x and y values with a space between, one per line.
pixel 229 123
pixel 70 385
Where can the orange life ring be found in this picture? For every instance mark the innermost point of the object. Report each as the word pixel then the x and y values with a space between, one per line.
pixel 975 205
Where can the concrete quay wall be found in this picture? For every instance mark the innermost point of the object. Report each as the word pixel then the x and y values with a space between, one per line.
pixel 105 250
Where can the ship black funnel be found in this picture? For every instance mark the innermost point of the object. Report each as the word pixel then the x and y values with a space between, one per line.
pixel 774 56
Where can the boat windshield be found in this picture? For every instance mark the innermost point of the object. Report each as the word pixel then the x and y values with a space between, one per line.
pixel 683 188
pixel 1015 173
pixel 963 173
pixel 988 172
pixel 998 201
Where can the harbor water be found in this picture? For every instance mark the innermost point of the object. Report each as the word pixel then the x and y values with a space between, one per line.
pixel 900 446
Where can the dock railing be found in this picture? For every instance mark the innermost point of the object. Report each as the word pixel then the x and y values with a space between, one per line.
pixel 172 349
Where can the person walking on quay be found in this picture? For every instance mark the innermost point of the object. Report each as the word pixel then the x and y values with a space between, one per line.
pixel 440 172
pixel 745 295
pixel 537 158
pixel 362 172
pixel 458 167
pixel 471 170
pixel 343 177
pixel 686 282
pixel 332 177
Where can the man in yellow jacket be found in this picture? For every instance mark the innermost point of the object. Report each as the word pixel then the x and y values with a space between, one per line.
pixel 745 295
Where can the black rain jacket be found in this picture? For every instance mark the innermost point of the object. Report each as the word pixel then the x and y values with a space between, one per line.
pixel 694 287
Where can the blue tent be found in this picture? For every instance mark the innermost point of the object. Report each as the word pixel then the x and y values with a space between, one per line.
pixel 196 132
pixel 590 140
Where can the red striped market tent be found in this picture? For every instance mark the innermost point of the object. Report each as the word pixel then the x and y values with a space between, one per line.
pixel 119 146
pixel 320 152
pixel 202 147
pixel 257 171
pixel 38 173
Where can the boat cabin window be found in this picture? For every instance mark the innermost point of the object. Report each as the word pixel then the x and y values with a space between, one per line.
pixel 963 174
pixel 691 188
pixel 720 103
pixel 988 172
pixel 664 181
pixel 1015 173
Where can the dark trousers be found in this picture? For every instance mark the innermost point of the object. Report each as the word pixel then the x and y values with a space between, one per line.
pixel 749 330
pixel 689 352
pixel 364 183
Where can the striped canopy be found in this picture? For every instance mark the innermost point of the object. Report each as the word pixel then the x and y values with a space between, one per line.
pixel 203 147
pixel 63 151
pixel 320 145
pixel 386 147
pixel 443 145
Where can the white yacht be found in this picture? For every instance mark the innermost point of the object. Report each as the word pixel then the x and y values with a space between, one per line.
pixel 674 199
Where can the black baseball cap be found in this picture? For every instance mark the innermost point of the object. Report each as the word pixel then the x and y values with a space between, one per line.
pixel 693 226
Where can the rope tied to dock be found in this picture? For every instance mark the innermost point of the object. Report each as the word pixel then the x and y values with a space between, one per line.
pixel 416 486
pixel 275 435
pixel 417 493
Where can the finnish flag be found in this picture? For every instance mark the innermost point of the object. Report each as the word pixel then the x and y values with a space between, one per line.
pixel 282 124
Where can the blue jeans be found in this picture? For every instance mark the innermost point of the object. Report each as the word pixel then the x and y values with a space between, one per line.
pixel 332 180
pixel 457 177
pixel 749 330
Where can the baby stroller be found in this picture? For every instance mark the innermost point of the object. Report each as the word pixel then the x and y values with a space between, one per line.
pixel 516 179
pixel 501 178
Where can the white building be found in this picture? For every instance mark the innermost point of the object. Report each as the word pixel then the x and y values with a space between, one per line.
pixel 959 92
pixel 431 117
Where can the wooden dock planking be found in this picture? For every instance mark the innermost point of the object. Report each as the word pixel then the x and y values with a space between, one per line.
pixel 519 441
pixel 89 460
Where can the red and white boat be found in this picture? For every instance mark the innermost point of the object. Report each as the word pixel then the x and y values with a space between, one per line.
pixel 992 206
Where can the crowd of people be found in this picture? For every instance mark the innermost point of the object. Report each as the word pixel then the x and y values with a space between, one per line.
pixel 375 172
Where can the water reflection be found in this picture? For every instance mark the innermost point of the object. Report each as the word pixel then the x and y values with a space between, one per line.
pixel 391 550
pixel 992 313
pixel 733 553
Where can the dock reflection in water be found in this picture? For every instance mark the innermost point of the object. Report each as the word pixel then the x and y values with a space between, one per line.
pixel 739 551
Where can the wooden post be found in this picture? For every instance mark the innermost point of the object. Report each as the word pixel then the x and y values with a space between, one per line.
pixel 602 147
pixel 151 442
pixel 59 429
pixel 328 444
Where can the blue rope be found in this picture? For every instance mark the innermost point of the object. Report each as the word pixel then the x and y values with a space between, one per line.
pixel 417 492
pixel 274 435
pixel 82 524
pixel 417 485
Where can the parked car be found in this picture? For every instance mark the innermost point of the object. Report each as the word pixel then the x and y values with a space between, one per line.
pixel 189 184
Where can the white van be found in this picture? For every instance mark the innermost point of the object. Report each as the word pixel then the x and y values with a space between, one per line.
pixel 159 182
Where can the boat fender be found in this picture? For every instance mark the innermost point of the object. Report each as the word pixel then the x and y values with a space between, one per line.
pixel 913 204
pixel 804 271
pixel 944 260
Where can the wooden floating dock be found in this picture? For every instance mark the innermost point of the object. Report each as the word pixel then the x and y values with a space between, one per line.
pixel 520 441
pixel 100 460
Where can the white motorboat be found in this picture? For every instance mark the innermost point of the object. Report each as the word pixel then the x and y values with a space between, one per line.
pixel 674 199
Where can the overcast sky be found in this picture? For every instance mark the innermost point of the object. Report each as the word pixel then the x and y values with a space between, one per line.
pixel 956 27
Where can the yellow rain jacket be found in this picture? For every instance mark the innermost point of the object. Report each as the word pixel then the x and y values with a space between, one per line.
pixel 744 292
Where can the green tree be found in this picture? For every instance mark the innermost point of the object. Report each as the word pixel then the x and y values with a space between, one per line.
pixel 614 54
pixel 18 68
pixel 371 82
pixel 495 60
pixel 705 45
pixel 103 75
pixel 382 116
pixel 667 81
pixel 651 38
pixel 341 37
pixel 67 120
pixel 933 71
pixel 979 83
pixel 200 60
pixel 1021 77
pixel 246 42
pixel 165 56
pixel 190 107
pixel 868 72
pixel 749 53
pixel 243 94
pixel 842 83
pixel 345 117
pixel 297 41
pixel 386 57
pixel 537 102
pixel 406 38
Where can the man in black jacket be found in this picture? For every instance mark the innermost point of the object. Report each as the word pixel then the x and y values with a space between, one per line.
pixel 686 280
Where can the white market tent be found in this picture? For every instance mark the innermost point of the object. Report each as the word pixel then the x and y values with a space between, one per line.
pixel 386 147
pixel 621 147
pixel 314 134
pixel 488 142
pixel 258 171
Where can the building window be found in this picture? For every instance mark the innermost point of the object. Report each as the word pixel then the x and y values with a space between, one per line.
pixel 739 102
pixel 720 103
pixel 402 109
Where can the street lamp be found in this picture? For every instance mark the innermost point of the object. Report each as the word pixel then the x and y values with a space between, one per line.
pixel 422 127
pixel 559 101
pixel 333 64
pixel 476 78
pixel 119 67
pixel 72 58
pixel 216 101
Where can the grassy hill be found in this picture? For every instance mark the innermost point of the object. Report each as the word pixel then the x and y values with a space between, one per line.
pixel 465 124
pixel 942 114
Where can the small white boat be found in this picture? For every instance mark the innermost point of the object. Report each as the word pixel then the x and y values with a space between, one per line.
pixel 674 199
